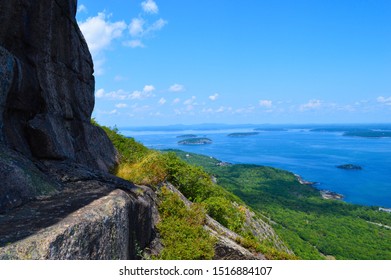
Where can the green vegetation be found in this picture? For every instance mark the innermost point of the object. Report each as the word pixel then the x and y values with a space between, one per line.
pixel 180 227
pixel 183 235
pixel 195 141
pixel 242 134
pixel 313 227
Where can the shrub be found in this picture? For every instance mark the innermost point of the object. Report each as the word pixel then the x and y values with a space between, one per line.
pixel 181 229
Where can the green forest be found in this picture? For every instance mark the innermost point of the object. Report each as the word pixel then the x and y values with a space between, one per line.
pixel 311 226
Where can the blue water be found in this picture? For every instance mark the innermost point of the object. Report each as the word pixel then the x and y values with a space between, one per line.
pixel 312 155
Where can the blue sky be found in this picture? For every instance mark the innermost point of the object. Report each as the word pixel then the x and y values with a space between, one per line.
pixel 160 62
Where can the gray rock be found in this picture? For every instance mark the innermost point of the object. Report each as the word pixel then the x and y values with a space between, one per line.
pixel 46 95
pixel 47 85
pixel 104 229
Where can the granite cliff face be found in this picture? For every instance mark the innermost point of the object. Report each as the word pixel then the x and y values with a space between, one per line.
pixel 57 200
pixel 47 84
pixel 46 91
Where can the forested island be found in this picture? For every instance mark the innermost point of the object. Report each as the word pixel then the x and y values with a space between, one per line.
pixel 350 166
pixel 242 134
pixel 369 133
pixel 195 141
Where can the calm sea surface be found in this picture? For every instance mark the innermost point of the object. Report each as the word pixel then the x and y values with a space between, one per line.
pixel 312 155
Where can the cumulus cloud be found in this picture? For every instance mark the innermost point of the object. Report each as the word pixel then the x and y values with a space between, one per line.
pixel 384 100
pixel 266 103
pixel 149 6
pixel 100 93
pixel 99 32
pixel 176 101
pixel 311 105
pixel 214 97
pixel 176 88
pixel 136 27
pixel 149 88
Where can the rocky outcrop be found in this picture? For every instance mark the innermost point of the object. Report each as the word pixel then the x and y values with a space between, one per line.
pixel 57 200
pixel 47 84
pixel 46 95
pixel 95 216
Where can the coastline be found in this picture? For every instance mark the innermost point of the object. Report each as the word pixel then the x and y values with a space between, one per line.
pixel 326 194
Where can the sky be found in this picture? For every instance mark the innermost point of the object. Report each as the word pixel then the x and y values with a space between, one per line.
pixel 163 62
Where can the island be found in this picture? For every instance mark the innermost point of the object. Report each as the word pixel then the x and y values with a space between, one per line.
pixel 195 141
pixel 369 133
pixel 242 134
pixel 271 129
pixel 187 136
pixel 349 166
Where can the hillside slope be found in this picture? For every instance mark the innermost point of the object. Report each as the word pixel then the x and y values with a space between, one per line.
pixel 313 227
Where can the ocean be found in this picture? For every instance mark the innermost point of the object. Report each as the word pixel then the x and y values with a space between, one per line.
pixel 314 155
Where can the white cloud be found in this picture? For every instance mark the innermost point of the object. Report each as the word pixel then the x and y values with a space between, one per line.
pixel 384 100
pixel 266 103
pixel 117 95
pixel 136 27
pixel 100 93
pixel 311 105
pixel 82 9
pixel 136 95
pixel 176 101
pixel 134 44
pixel 214 97
pixel 149 6
pixel 176 88
pixel 147 92
pixel 162 101
pixel 157 25
pixel 139 28
pixel 121 105
pixel 149 88
pixel 99 32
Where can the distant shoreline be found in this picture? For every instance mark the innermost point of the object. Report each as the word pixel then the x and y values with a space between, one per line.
pixel 326 194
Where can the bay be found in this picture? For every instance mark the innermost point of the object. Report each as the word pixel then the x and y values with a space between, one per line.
pixel 314 155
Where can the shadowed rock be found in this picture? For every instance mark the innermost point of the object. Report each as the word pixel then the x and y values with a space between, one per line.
pixel 47 84
pixel 46 94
